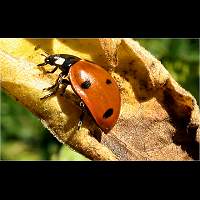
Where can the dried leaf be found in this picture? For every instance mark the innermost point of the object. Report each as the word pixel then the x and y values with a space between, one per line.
pixel 159 120
pixel 110 47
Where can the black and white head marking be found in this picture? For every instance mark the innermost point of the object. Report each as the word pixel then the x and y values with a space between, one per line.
pixel 59 60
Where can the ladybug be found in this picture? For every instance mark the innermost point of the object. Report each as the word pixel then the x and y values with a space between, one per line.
pixel 98 91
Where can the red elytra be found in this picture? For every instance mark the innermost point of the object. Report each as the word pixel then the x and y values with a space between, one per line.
pixel 102 98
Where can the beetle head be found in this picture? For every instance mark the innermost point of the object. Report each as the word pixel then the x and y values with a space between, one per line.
pixel 48 60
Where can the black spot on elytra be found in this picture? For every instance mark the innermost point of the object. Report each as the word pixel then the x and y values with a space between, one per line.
pixel 86 84
pixel 108 113
pixel 108 81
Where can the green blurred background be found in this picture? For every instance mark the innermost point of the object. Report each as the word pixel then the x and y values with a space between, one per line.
pixel 31 141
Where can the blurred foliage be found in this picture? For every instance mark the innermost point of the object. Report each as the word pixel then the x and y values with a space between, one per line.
pixel 181 59
pixel 23 137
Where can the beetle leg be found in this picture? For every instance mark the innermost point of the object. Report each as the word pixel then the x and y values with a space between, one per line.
pixel 48 95
pixel 54 87
pixel 82 105
pixel 65 82
pixel 42 64
pixel 52 70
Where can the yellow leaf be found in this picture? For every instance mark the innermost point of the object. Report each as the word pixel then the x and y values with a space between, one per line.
pixel 159 120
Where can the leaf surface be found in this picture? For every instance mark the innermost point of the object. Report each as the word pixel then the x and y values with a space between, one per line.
pixel 159 120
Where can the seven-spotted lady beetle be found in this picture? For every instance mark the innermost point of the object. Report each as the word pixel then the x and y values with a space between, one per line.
pixel 96 88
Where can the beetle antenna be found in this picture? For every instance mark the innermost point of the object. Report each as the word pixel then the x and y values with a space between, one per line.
pixel 47 53
pixel 43 55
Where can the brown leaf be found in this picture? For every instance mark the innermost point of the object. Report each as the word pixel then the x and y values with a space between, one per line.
pixel 159 120
pixel 110 47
